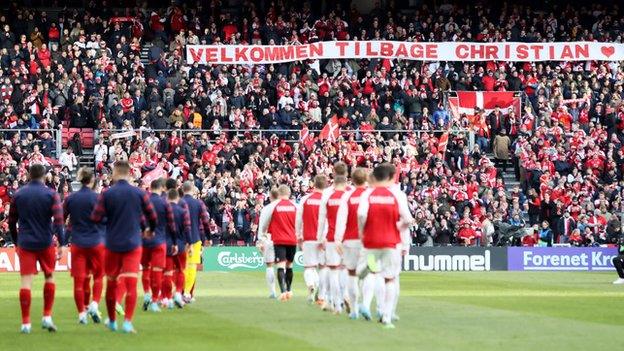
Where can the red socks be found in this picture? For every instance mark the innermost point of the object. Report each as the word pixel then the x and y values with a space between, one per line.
pixel 24 297
pixel 48 298
pixel 121 289
pixel 79 293
pixel 111 298
pixel 156 281
pixel 145 280
pixel 48 301
pixel 167 285
pixel 131 296
pixel 87 291
pixel 179 276
pixel 98 283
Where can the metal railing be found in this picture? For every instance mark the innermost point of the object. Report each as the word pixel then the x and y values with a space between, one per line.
pixel 291 134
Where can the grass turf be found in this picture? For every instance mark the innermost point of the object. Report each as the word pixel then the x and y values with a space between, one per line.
pixel 439 311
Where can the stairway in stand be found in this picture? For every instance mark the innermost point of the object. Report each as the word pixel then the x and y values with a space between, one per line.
pixel 510 181
pixel 144 55
pixel 87 159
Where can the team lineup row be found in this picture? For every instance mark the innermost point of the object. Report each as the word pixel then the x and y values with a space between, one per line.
pixel 360 230
pixel 112 234
pixel 347 234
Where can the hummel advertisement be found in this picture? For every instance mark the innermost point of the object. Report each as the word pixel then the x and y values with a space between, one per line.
pixel 455 259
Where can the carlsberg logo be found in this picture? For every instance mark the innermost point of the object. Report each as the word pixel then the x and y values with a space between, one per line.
pixel 233 260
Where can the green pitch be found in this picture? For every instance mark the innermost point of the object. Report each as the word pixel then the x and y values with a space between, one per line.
pixel 439 311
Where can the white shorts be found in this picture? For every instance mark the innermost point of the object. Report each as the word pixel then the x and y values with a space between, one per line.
pixel 351 253
pixel 332 257
pixel 397 261
pixel 268 252
pixel 388 261
pixel 311 254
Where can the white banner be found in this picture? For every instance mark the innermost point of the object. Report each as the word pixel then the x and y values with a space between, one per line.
pixel 423 51
pixel 126 134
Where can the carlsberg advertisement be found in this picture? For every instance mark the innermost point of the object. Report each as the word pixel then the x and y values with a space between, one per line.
pixel 238 259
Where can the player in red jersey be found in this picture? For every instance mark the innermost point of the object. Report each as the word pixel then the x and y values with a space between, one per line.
pixel 306 230
pixel 328 211
pixel 281 219
pixel 383 220
pixel 347 237
pixel 265 245
pixel 33 207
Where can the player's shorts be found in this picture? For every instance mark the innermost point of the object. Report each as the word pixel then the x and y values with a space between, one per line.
pixel 195 258
pixel 29 258
pixel 285 253
pixel 154 257
pixel 268 251
pixel 388 261
pixel 312 254
pixel 397 260
pixel 351 253
pixel 332 257
pixel 116 263
pixel 176 263
pixel 85 261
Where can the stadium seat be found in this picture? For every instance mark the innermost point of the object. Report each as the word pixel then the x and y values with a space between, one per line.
pixel 87 137
pixel 64 137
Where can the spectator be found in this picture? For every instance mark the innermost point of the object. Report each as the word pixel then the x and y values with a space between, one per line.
pixel 501 146
pixel 545 235
pixel 75 144
pixel 68 159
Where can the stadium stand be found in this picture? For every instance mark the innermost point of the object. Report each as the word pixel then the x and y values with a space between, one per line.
pixel 113 84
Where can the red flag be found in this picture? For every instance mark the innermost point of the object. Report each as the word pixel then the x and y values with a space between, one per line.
pixel 156 173
pixel 466 101
pixel 331 131
pixel 443 142
pixel 306 138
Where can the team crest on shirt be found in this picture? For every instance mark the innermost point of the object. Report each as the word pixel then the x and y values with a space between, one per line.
pixel 287 208
pixel 313 202
pixel 381 200
pixel 333 202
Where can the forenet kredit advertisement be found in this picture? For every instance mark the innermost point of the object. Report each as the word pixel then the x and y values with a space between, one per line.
pixel 561 258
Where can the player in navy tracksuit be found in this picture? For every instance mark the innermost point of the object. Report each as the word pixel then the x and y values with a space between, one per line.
pixel 123 205
pixel 154 255
pixel 32 208
pixel 199 219
pixel 177 241
pixel 87 247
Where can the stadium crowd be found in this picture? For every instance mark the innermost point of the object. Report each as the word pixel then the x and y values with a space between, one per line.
pixel 238 130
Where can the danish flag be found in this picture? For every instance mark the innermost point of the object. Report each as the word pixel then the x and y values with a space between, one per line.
pixel 306 138
pixel 331 131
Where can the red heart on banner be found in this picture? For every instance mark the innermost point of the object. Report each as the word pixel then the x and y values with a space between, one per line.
pixel 608 50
